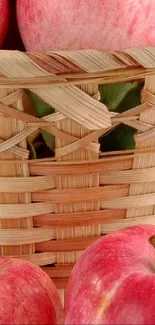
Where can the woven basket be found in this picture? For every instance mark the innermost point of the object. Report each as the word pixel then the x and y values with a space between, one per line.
pixel 52 209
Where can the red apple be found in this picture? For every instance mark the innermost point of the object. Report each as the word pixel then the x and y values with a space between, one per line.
pixel 86 24
pixel 4 19
pixel 114 280
pixel 27 295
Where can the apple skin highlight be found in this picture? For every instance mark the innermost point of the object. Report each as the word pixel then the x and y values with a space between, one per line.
pixel 113 282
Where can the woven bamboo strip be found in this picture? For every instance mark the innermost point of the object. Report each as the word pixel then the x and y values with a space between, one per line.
pixel 10 237
pixel 102 165
pixel 129 177
pixel 87 78
pixel 21 152
pixel 41 183
pixel 80 195
pixel 33 123
pixel 75 244
pixel 8 128
pixel 85 142
pixel 59 271
pixel 128 117
pixel 143 200
pixel 22 135
pixel 72 98
pixel 20 210
pixel 39 259
pixel 127 222
pixel 143 162
pixel 66 182
pixel 115 200
pixel 86 66
pixel 112 157
pixel 67 245
pixel 74 219
pixel 26 184
pixel 72 245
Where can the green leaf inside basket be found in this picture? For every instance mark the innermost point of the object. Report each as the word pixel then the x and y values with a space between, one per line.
pixel 119 98
pixel 42 109
pixel 33 154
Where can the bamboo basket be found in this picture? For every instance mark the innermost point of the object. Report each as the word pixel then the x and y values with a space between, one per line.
pixel 52 209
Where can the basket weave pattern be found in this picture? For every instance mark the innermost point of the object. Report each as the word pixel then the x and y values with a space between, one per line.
pixel 52 209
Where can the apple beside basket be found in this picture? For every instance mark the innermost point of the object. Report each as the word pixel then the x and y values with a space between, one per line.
pixel 52 209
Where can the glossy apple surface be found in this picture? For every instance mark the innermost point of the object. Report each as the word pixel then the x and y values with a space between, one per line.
pixel 27 295
pixel 86 24
pixel 114 281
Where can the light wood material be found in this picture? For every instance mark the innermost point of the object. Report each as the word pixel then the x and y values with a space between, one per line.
pixel 8 128
pixel 66 182
pixel 147 116
pixel 51 209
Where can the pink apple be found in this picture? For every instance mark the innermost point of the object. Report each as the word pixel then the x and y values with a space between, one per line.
pixel 86 24
pixel 27 295
pixel 4 19
pixel 114 281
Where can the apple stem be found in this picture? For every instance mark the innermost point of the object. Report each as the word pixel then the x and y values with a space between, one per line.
pixel 152 240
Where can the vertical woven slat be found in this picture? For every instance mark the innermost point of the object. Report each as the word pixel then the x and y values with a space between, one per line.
pixel 144 161
pixel 8 128
pixel 77 130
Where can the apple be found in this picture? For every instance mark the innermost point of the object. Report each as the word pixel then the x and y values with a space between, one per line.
pixel 86 24
pixel 4 19
pixel 113 282
pixel 27 295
